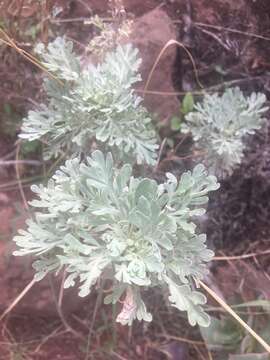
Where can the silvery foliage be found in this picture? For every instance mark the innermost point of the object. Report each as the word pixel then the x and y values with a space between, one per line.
pixel 219 125
pixel 97 221
pixel 97 102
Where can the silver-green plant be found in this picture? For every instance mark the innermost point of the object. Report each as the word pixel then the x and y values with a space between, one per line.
pixel 220 124
pixel 93 104
pixel 97 221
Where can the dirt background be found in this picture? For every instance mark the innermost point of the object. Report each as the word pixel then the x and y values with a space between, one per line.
pixel 230 43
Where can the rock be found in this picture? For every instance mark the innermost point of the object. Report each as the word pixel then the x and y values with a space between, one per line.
pixel 150 33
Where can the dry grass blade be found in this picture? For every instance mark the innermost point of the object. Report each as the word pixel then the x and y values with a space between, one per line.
pixel 245 33
pixel 55 333
pixel 240 257
pixel 18 299
pixel 61 291
pixel 235 316
pixel 13 162
pixel 89 337
pixel 120 357
pixel 181 339
pixel 210 355
pixel 169 93
pixel 198 351
pixel 67 326
pixel 17 168
pixel 162 51
pixel 9 42
pixel 160 153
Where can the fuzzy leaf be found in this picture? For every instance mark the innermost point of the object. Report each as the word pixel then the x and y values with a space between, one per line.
pixel 185 299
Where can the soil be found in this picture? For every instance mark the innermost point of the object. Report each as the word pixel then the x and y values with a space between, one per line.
pixel 220 36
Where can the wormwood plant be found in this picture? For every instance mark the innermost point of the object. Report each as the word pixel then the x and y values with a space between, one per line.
pixel 220 124
pixel 92 106
pixel 94 219
pixel 99 222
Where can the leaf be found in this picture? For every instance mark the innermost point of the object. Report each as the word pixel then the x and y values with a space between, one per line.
pixel 60 59
pixel 187 103
pixel 153 264
pixel 264 332
pixel 90 273
pixel 30 147
pixel 115 295
pixel 175 123
pixel 70 280
pixel 222 334
pixel 133 307
pixel 165 242
pixel 147 188
pixel 265 304
pixel 185 299
pixel 8 109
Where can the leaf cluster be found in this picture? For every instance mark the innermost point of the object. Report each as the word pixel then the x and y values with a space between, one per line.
pixel 99 222
pixel 220 124
pixel 93 104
